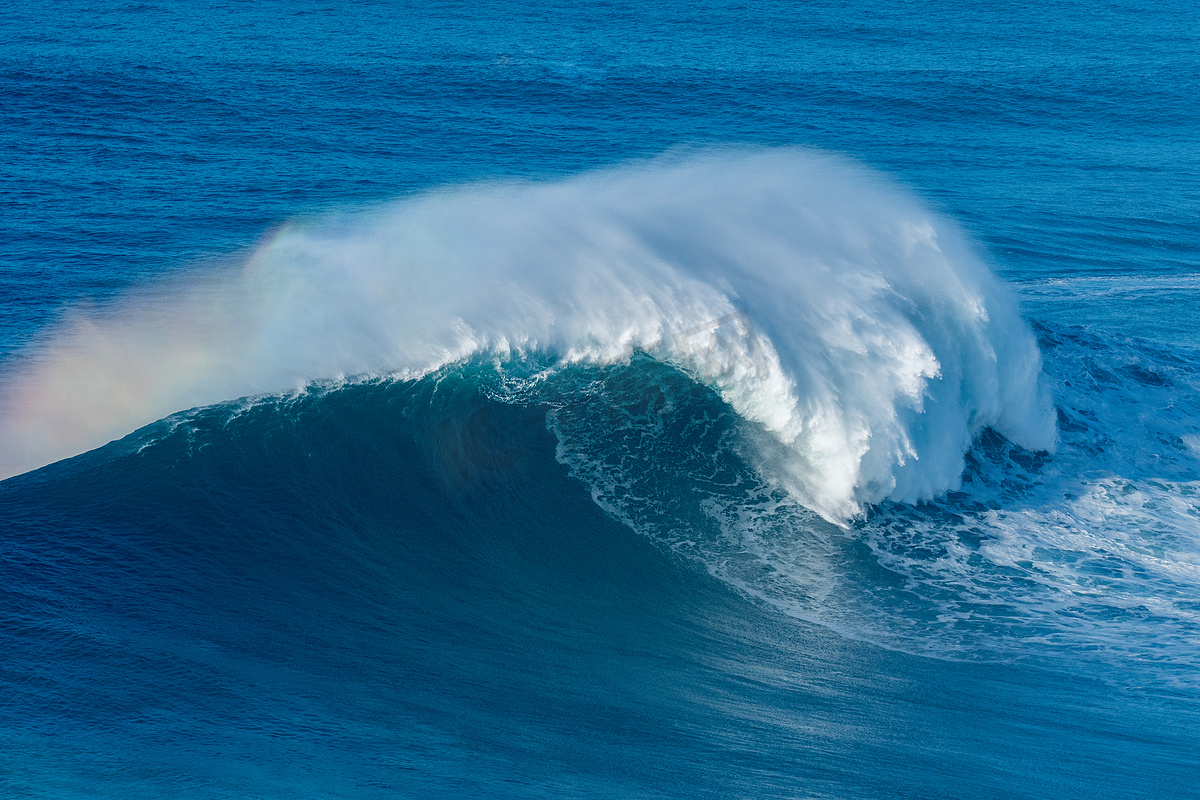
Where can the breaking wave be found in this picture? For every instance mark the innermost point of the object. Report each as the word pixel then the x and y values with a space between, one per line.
pixel 830 308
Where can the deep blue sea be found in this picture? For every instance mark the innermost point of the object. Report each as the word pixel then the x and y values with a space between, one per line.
pixel 600 400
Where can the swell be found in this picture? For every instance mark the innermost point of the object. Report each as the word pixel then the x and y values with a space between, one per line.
pixel 823 303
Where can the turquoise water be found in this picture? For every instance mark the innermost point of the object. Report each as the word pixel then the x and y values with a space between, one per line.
pixel 620 400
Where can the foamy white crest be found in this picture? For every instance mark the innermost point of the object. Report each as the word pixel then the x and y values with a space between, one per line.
pixel 821 301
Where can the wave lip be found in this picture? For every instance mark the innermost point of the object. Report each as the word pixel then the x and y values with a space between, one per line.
pixel 822 301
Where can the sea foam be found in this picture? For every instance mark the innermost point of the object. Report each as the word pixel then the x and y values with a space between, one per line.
pixel 823 302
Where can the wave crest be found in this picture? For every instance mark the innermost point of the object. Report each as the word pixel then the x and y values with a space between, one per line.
pixel 823 302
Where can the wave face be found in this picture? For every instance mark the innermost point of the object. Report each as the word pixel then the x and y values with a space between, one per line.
pixel 432 587
pixel 1082 561
pixel 824 304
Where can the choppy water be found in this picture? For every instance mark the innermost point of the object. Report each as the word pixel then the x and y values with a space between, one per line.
pixel 622 400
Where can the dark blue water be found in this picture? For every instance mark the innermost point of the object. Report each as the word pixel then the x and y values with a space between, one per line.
pixel 461 469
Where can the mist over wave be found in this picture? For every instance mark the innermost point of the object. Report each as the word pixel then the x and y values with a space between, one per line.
pixel 821 301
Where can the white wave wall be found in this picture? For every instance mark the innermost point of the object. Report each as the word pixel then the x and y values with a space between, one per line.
pixel 823 302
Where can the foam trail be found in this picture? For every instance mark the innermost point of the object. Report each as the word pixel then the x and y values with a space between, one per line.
pixel 823 302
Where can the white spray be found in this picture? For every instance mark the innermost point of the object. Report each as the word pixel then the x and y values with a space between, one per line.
pixel 821 301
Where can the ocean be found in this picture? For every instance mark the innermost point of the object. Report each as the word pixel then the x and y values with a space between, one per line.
pixel 608 400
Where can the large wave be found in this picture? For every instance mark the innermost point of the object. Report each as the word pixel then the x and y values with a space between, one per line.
pixel 822 302
pixel 1086 561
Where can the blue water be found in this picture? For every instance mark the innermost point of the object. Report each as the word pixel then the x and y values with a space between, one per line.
pixel 599 400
